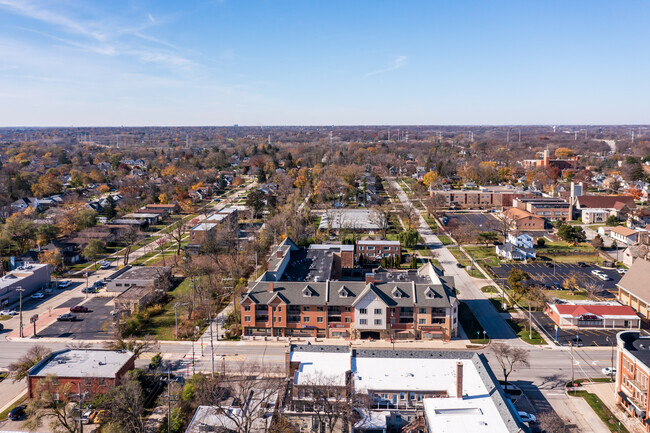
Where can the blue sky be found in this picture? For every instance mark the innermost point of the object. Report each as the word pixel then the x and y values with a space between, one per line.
pixel 276 62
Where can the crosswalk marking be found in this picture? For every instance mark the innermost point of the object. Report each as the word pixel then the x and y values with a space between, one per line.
pixel 150 355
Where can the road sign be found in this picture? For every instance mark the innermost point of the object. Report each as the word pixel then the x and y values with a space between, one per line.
pixel 33 319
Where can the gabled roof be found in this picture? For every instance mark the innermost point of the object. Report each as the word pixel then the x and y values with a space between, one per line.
pixel 623 231
pixel 518 214
pixel 635 280
pixel 604 201
pixel 370 287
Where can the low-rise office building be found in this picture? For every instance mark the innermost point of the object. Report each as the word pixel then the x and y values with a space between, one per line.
pixel 30 278
pixel 86 370
pixel 155 277
pixel 551 209
pixel 592 315
pixel 488 197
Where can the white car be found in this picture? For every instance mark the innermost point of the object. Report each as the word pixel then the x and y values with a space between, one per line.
pixel 527 417
pixel 37 295
pixel 608 371
pixel 595 272
pixel 604 276
pixel 64 284
pixel 621 270
pixel 8 312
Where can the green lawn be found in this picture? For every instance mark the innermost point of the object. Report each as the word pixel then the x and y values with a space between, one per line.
pixel 446 240
pixel 5 413
pixel 521 328
pixel 432 223
pixel 559 247
pixel 601 410
pixel 470 325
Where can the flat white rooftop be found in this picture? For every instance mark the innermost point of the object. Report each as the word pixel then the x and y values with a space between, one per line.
pixel 17 275
pixel 354 219
pixel 321 367
pixel 476 414
pixel 83 363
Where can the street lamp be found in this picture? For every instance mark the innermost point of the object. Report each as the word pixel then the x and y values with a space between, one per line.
pixel 20 291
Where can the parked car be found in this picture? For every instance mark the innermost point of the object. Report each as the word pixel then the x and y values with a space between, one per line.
pixel 8 312
pixel 608 371
pixel 90 289
pixel 37 295
pixel 105 265
pixel 604 276
pixel 17 413
pixel 459 265
pixel 66 317
pixel 79 309
pixel 527 417
pixel 582 264
pixel 621 271
pixel 64 284
pixel 595 272
pixel 550 264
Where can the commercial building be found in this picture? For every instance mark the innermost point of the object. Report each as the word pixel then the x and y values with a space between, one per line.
pixel 547 162
pixel 634 290
pixel 633 374
pixel 551 209
pixel 617 205
pixel 86 370
pixel 487 197
pixel 523 220
pixel 592 315
pixel 375 250
pixel 594 216
pixel 451 388
pixel 359 220
pixel 30 278
pixel 300 295
pixel 155 277
pixel 625 235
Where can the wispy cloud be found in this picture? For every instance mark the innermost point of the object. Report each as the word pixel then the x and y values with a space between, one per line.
pixel 151 18
pixel 397 64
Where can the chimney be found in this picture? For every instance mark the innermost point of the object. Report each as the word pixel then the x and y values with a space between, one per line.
pixel 278 253
pixel 370 277
pixel 271 287
pixel 459 380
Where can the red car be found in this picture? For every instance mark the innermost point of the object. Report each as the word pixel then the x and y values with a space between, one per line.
pixel 79 309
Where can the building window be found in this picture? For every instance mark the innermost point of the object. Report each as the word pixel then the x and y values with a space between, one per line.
pixel 319 319
pixel 247 307
pixel 422 310
pixel 247 318
pixel 306 319
pixel 279 308
pixel 305 308
pixel 279 319
pixel 55 380
pixel 377 310
pixel 402 396
pixel 347 309
pixel 377 321
pixel 102 381
pixel 347 320
pixel 422 321
pixel 363 311
pixel 319 308
pixel 363 321
pixel 87 381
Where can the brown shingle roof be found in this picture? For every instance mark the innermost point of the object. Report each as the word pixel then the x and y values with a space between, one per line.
pixel 604 201
pixel 517 214
pixel 635 281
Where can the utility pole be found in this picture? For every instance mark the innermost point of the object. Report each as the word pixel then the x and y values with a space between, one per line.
pixel 211 341
pixel 20 291
pixel 572 375
pixel 530 323
pixel 169 398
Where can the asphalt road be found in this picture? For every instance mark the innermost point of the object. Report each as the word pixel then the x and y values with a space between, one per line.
pixel 496 327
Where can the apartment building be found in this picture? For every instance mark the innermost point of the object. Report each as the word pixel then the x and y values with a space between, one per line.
pixel 523 220
pixel 201 231
pixel 300 295
pixel 375 250
pixel 489 197
pixel 633 374
pixel 551 209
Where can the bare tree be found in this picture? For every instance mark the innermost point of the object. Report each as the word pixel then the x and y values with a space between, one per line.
pixel 504 225
pixel 255 390
pixel 125 404
pixel 380 216
pixel 54 404
pixel 327 400
pixel 435 203
pixel 129 238
pixel 18 369
pixel 412 216
pixel 176 233
pixel 137 346
pixel 509 358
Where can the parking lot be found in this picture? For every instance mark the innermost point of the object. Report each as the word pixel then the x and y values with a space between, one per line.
pixel 549 273
pixel 88 326
pixel 482 221
pixel 585 337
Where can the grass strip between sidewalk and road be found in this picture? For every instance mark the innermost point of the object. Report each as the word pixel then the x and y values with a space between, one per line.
pixel 601 410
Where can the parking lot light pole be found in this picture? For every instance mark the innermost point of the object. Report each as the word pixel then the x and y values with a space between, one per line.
pixel 530 323
pixel 20 291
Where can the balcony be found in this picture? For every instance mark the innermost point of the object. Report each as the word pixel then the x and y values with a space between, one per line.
pixel 261 318
pixel 638 385
pixel 333 318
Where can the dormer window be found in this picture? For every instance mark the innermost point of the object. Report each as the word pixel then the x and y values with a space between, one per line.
pixel 306 292
pixel 429 293
pixel 397 293
pixel 343 293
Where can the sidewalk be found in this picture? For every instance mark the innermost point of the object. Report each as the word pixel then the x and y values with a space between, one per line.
pixel 606 392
